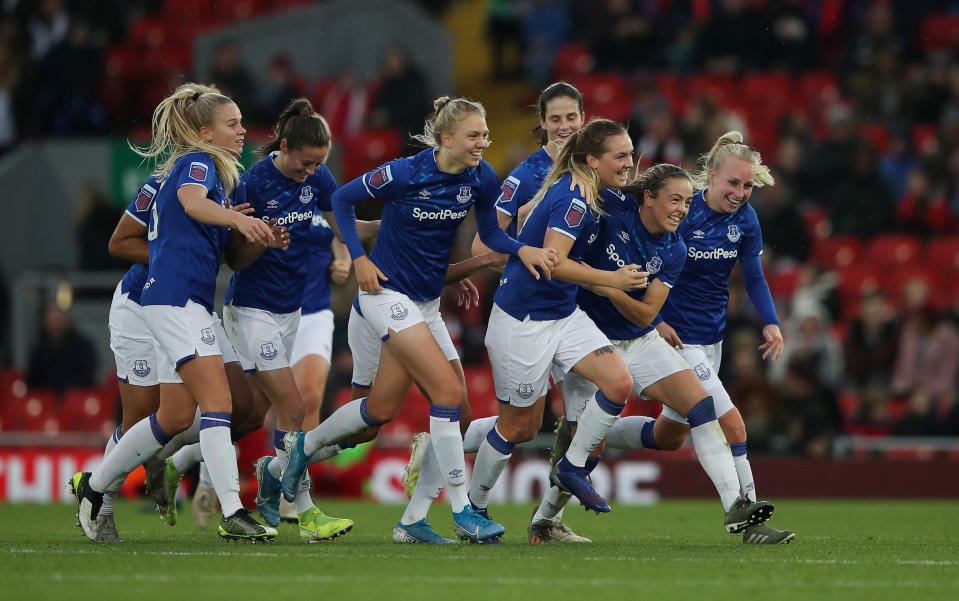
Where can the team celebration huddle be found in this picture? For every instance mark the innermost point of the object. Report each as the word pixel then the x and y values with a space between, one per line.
pixel 613 282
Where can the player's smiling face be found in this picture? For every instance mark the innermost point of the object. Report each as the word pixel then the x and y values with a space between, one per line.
pixel 613 166
pixel 227 129
pixel 563 119
pixel 301 163
pixel 667 209
pixel 465 145
pixel 730 185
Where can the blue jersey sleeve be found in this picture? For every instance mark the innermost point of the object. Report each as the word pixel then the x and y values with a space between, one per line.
pixel 200 172
pixel 517 190
pixel 325 185
pixel 673 263
pixel 752 238
pixel 568 217
pixel 486 223
pixel 386 181
pixel 139 207
pixel 758 289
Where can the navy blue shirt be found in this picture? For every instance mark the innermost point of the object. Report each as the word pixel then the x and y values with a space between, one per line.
pixel 139 209
pixel 276 281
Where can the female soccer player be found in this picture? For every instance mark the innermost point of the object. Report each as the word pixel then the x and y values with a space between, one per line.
pixel 292 186
pixel 427 195
pixel 721 229
pixel 198 134
pixel 648 237
pixel 535 323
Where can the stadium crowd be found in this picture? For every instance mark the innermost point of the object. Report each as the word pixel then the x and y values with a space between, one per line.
pixel 854 104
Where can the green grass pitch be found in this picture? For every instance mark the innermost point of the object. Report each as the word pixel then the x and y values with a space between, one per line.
pixel 676 550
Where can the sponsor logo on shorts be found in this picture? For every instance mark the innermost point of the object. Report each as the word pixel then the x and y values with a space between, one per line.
pixel 575 212
pixel 654 265
pixel 733 233
pixel 306 194
pixel 141 368
pixel 524 391
pixel 268 351
pixel 465 194
pixel 456 473
pixel 207 336
pixel 399 312
pixel 703 372
pixel 198 171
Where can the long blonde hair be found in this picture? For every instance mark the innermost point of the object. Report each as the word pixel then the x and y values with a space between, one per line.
pixel 589 141
pixel 176 131
pixel 728 145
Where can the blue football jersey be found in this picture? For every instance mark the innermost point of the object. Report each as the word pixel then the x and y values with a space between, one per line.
pixel 276 280
pixel 184 253
pixel 519 293
pixel 696 306
pixel 316 297
pixel 139 209
pixel 623 239
pixel 423 209
pixel 522 184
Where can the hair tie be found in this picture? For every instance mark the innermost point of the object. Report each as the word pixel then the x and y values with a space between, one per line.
pixel 196 96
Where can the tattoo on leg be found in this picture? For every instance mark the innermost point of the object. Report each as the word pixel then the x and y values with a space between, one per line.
pixel 603 351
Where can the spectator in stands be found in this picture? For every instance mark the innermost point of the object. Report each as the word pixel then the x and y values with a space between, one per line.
pixel 794 45
pixel 61 358
pixel 862 204
pixel 777 207
pixel 10 75
pixel 344 101
pixel 230 76
pixel 734 39
pixel 870 350
pixel 618 33
pixel 546 26
pixel 896 164
pixel 923 209
pixel 47 27
pixel 95 222
pixel 927 358
pixel 67 86
pixel 504 28
pixel 403 98
pixel 279 87
pixel 921 417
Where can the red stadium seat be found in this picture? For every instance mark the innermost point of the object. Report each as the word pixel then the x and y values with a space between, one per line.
pixel 940 33
pixel 925 138
pixel 837 252
pixel 369 149
pixel 855 281
pixel 889 250
pixel 818 86
pixel 718 88
pixel 36 411
pixel 572 61
pixel 817 223
pixel 605 96
pixel 672 90
pixel 482 395
pixel 766 87
pixel 783 282
pixel 876 133
pixel 88 410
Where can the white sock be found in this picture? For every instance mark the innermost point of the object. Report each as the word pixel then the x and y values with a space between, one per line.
pixel 552 504
pixel 747 486
pixel 347 421
pixel 282 459
pixel 597 418
pixel 713 451
pixel 204 473
pixel 110 495
pixel 189 436
pixel 138 444
pixel 187 457
pixel 448 446
pixel 627 433
pixel 476 433
pixel 429 485
pixel 326 453
pixel 492 457
pixel 220 458
pixel 303 500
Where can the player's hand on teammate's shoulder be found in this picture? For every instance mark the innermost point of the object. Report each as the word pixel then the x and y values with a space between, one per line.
pixel 772 345
pixel 538 260
pixel 579 186
pixel 368 275
pixel 339 271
